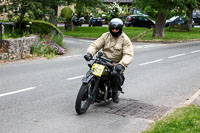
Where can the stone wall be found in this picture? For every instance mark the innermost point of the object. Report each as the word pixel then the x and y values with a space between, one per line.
pixel 15 49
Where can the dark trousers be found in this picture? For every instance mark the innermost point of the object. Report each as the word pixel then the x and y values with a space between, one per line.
pixel 117 80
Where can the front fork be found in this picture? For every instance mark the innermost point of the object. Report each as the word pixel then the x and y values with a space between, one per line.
pixel 91 94
pixel 96 86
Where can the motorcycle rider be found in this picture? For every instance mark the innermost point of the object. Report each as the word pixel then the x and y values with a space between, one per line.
pixel 117 47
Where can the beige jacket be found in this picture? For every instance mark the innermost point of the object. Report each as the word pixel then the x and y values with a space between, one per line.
pixel 118 49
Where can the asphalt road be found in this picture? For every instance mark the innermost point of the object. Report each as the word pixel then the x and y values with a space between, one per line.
pixel 38 96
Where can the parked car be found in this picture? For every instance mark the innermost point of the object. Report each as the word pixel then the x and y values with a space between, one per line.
pixel 139 21
pixel 196 17
pixel 176 20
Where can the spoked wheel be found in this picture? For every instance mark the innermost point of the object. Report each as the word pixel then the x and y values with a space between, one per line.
pixel 83 101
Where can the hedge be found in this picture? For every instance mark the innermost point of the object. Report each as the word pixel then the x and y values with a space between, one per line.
pixel 43 27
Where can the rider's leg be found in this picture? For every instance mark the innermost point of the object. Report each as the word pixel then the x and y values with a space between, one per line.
pixel 116 82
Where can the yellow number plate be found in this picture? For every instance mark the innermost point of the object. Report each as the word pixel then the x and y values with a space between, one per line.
pixel 97 69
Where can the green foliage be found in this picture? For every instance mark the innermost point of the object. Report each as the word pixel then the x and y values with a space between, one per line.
pixel 95 32
pixel 152 7
pixel 60 19
pixel 114 10
pixel 41 11
pixel 37 9
pixel 17 10
pixel 47 47
pixel 42 27
pixel 9 34
pixel 183 120
pixel 169 7
pixel 58 40
pixel 67 13
pixel 174 35
pixel 84 7
pixel 125 10
pixel 109 17
pixel 160 10
pixel 42 51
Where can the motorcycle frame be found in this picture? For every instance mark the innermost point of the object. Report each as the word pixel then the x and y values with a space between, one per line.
pixel 89 76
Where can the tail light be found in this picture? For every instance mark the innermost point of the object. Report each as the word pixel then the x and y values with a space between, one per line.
pixel 130 19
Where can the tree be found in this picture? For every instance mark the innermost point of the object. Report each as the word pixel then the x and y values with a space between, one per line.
pixel 19 8
pixel 66 13
pixel 35 9
pixel 84 5
pixel 188 6
pixel 114 10
pixel 162 10
pixel 53 4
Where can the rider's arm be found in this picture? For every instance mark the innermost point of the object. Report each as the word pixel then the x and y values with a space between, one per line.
pixel 96 45
pixel 128 52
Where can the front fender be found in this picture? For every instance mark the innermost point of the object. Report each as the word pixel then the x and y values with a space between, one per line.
pixel 87 78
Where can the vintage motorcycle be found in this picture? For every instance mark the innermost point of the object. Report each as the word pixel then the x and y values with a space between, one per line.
pixel 95 84
pixel 95 21
pixel 77 21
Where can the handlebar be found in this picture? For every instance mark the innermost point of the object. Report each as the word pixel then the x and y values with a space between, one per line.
pixel 105 60
pixel 101 60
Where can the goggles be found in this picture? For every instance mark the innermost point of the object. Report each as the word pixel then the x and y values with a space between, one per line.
pixel 116 28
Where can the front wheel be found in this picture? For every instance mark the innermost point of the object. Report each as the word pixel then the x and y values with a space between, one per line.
pixel 83 101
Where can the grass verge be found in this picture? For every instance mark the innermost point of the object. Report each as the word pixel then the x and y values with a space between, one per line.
pixel 183 120
pixel 174 35
pixel 95 32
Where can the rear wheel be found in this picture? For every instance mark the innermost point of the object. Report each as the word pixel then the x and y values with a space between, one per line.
pixel 83 101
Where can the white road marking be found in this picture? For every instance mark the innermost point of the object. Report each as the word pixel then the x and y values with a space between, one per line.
pixel 170 57
pixel 146 63
pixel 75 77
pixel 178 55
pixel 195 51
pixel 64 57
pixel 18 91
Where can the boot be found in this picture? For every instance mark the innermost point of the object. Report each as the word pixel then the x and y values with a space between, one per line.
pixel 115 97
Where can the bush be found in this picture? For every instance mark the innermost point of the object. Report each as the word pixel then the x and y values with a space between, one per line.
pixel 47 47
pixel 60 19
pixel 114 10
pixel 67 14
pixel 109 17
pixel 43 28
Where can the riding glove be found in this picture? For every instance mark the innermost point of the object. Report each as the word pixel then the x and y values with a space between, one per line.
pixel 88 57
pixel 119 68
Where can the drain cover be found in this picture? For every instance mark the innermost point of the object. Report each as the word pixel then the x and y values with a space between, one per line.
pixel 138 110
